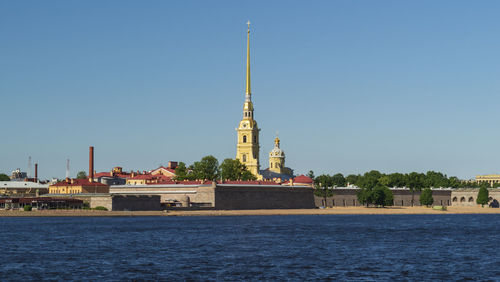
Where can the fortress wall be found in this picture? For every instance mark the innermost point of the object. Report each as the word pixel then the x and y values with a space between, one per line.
pixel 135 203
pixel 263 197
pixel 127 202
pixel 347 197
pixel 197 194
pixel 468 197
pixel 100 201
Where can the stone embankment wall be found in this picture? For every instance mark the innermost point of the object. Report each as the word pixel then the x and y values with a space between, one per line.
pixel 127 202
pixel 241 197
pixel 100 201
pixel 346 197
pixel 136 203
pixel 198 194
pixel 468 197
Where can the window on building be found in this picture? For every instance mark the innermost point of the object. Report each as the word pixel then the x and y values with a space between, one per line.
pixel 244 138
pixel 271 165
pixel 255 138
pixel 244 158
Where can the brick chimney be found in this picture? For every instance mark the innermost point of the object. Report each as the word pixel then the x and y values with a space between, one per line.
pixel 91 163
pixel 36 172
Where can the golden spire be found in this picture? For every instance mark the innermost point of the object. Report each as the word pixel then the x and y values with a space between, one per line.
pixel 248 91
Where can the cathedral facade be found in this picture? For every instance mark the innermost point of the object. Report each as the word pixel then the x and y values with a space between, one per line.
pixel 248 148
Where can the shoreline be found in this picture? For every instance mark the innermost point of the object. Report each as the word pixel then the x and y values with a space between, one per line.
pixel 326 211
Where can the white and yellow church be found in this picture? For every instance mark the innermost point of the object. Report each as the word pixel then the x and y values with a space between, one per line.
pixel 247 149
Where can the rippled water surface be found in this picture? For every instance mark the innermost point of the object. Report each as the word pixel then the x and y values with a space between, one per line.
pixel 337 247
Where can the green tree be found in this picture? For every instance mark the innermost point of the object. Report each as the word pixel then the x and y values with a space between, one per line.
pixel 389 197
pixel 482 196
pixel 338 180
pixel 364 196
pixel 454 182
pixel 378 195
pixel 4 177
pixel 206 169
pixel 367 183
pixel 484 184
pixel 396 180
pixel 322 187
pixel 352 179
pixel 310 174
pixel 247 175
pixel 233 169
pixel 81 175
pixel 435 179
pixel 181 172
pixel 414 181
pixel 385 180
pixel 426 198
pixel 382 196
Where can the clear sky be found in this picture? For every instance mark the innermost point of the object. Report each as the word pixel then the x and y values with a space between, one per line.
pixel 350 85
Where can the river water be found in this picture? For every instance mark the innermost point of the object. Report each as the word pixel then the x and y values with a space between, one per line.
pixel 299 247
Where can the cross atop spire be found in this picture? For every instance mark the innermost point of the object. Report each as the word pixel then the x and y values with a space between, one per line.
pixel 277 141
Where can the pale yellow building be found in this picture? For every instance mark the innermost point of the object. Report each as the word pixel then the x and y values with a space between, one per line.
pixel 247 149
pixel 78 186
pixel 489 178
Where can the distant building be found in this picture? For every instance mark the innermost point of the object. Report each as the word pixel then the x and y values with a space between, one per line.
pixel 300 180
pixel 143 179
pixel 489 178
pixel 277 170
pixel 115 177
pixel 23 187
pixel 168 171
pixel 40 203
pixel 78 186
pixel 18 175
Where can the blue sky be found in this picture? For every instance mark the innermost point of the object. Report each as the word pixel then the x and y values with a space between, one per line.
pixel 350 85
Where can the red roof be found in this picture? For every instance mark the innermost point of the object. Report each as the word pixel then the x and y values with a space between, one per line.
pixel 108 174
pixel 151 177
pixel 78 182
pixel 303 179
pixel 250 182
pixel 164 168
pixel 184 182
pixel 143 176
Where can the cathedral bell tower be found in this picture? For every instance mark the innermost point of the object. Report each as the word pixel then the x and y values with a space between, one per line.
pixel 247 150
pixel 277 158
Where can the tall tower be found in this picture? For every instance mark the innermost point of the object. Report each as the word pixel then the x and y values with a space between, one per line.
pixel 247 150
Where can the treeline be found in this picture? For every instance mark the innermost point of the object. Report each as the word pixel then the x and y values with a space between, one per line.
pixel 374 186
pixel 431 179
pixel 208 168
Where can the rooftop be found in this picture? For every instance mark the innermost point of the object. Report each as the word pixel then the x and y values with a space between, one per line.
pixel 78 182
